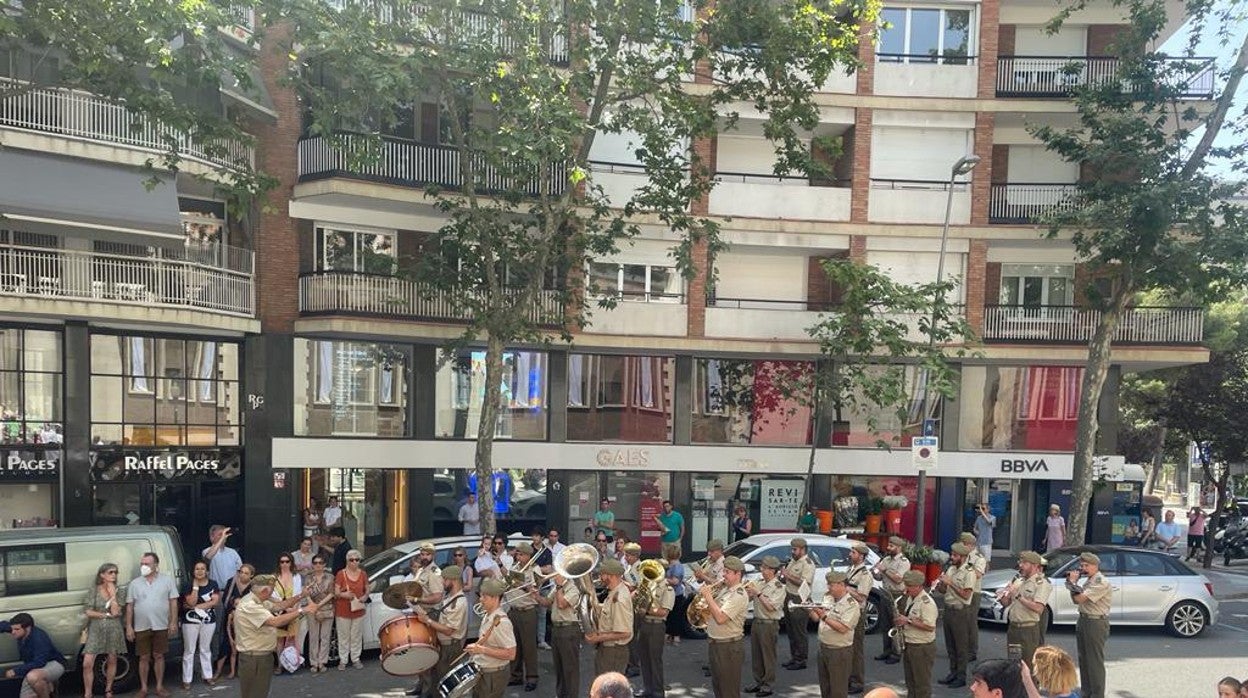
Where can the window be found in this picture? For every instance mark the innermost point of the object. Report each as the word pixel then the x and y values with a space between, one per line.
pixel 620 398
pixel 203 222
pixel 151 391
pixel 461 391
pixel 30 387
pixel 1037 285
pixel 355 250
pixel 350 388
pixel 925 35
pixel 639 282
pixel 1144 565
pixel 32 569
pixel 1019 407
pixel 746 401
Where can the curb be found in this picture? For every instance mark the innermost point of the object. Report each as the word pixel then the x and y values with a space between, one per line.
pixel 1232 597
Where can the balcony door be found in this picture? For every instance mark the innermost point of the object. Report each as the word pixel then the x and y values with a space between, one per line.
pixel 1035 287
pixel 363 251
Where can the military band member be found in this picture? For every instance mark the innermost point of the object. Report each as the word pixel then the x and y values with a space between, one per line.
pixel 725 629
pixel 1025 601
pixel 916 621
pixel 615 621
pixel 632 577
pixel 961 606
pixel 523 615
pixel 1092 629
pixel 650 646
pixel 890 570
pixel 425 572
pixel 801 569
pixel 496 647
pixel 710 572
pixel 980 563
pixel 837 620
pixel 564 599
pixel 859 583
pixel 768 597
pixel 451 624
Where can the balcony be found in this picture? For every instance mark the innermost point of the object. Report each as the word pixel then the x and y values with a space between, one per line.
pixel 1071 325
pixel 917 201
pixel 772 196
pixel 377 295
pixel 1054 76
pixel 82 116
pixel 408 163
pixel 769 319
pixel 926 75
pixel 1028 203
pixel 641 314
pixel 216 279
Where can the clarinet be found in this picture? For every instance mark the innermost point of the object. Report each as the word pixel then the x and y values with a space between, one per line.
pixel 1001 593
pixel 1074 588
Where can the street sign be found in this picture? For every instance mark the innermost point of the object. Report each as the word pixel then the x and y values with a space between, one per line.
pixel 924 451
pixel 929 427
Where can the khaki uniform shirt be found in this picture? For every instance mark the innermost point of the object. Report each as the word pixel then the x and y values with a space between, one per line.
pixel 898 564
pixel 666 600
pixel 1035 588
pixel 631 575
pixel 616 615
pixel 525 601
pixel 980 563
pixel 501 636
pixel 714 571
pixel 430 579
pixel 573 596
pixel 798 571
pixel 454 614
pixel 923 609
pixel 774 592
pixel 846 611
pixel 734 603
pixel 962 576
pixel 250 632
pixel 861 581
pixel 1099 595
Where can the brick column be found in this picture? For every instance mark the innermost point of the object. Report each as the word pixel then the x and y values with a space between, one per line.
pixel 866 55
pixel 981 182
pixel 858 249
pixel 861 179
pixel 277 241
pixel 989 20
pixel 695 299
pixel 976 283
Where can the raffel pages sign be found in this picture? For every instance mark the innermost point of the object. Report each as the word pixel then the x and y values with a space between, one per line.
pixel 780 504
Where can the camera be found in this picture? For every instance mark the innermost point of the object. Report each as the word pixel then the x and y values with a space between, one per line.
pixel 1014 652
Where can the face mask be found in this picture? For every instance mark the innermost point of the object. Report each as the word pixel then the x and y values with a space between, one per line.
pixel 145 570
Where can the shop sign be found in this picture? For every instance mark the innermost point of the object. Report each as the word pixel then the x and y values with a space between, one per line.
pixel 172 461
pixel 780 504
pixel 30 465
pixel 1022 465
pixel 214 464
pixel 623 457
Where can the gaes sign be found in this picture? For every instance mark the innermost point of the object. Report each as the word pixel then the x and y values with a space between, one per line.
pixel 780 504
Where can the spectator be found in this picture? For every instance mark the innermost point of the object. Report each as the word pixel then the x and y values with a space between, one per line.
pixel 351 591
pixel 984 523
pixel 200 599
pixel 223 561
pixel 470 516
pixel 1195 531
pixel 742 527
pixel 287 594
pixel 234 590
pixel 312 518
pixel 998 678
pixel 1055 672
pixel 151 617
pixel 611 685
pixel 676 580
pixel 1131 535
pixel 333 514
pixel 1229 687
pixel 604 518
pixel 1167 534
pixel 1054 529
pixel 671 524
pixel 808 522
pixel 1148 528
pixel 105 633
pixel 303 556
pixel 486 564
pixel 42 665
pixel 338 539
pixel 319 584
pixel 881 692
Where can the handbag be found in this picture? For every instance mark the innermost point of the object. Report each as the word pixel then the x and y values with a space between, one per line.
pixel 357 605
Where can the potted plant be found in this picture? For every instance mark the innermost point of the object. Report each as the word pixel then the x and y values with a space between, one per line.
pixel 872 506
pixel 936 565
pixel 893 504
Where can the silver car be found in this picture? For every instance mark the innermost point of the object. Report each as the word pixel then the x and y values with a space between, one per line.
pixel 1150 588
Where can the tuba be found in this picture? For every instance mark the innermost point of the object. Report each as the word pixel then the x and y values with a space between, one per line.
pixel 699 611
pixel 575 562
pixel 648 588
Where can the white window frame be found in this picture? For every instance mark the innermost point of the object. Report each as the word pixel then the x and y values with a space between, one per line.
pixel 649 295
pixel 972 38
pixel 322 229
pixel 1020 282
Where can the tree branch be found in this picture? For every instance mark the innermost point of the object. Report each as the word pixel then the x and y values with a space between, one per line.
pixel 1222 105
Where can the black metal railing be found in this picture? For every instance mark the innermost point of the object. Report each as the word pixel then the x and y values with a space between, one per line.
pixel 1055 76
pixel 1027 203
pixel 1065 324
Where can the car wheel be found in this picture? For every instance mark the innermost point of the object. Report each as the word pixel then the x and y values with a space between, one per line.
pixel 873 614
pixel 1187 619
pixel 125 680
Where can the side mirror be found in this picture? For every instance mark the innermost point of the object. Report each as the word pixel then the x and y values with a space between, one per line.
pixel 750 568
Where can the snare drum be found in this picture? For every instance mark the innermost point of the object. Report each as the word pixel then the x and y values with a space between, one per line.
pixel 408 646
pixel 459 680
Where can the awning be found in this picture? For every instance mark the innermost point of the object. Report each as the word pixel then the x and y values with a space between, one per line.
pixel 49 189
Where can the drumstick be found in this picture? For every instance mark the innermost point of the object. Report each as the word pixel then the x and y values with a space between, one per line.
pixel 481 639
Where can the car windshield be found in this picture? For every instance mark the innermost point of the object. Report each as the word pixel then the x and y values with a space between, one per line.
pixel 381 560
pixel 740 549
pixel 1056 560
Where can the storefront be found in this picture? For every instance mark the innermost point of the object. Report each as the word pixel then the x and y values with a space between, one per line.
pixel 30 480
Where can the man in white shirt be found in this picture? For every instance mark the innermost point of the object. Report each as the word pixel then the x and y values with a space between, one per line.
pixel 223 561
pixel 333 514
pixel 470 516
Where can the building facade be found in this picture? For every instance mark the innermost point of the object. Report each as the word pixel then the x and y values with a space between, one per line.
pixel 292 369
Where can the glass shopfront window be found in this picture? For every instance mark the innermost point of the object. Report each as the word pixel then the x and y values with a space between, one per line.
pixel 636 498
pixel 865 487
pixel 461 390
pixel 744 401
pixel 519 499
pixel 867 426
pixel 620 398
pixel 151 391
pixel 29 487
pixel 350 388
pixel 999 496
pixel 30 386
pixel 1026 408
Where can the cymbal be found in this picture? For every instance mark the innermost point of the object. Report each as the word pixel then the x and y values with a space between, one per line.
pixel 396 595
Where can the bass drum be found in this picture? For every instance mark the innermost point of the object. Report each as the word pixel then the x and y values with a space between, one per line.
pixel 408 646
pixel 459 680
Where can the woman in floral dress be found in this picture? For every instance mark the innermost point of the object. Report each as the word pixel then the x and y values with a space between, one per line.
pixel 105 634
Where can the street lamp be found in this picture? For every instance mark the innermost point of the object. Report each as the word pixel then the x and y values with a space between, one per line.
pixel 963 166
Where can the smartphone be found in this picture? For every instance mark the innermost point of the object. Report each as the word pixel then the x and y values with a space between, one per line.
pixel 1014 652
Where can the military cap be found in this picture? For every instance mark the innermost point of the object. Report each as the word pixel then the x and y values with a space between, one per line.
pixel 835 577
pixel 913 578
pixel 611 566
pixel 897 541
pixel 967 537
pixel 264 580
pixel 960 549
pixel 732 562
pixel 1090 558
pixel 452 572
pixel 632 548
pixel 797 543
pixel 524 547
pixel 771 562
pixel 493 587
pixel 428 547
pixel 1030 556
pixel 862 548
pixel 715 544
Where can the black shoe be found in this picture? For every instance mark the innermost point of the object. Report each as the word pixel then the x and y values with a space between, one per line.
pixel 515 682
pixel 855 690
pixel 632 671
pixel 767 692
pixel 787 664
pixel 892 660
pixel 533 686
pixel 948 677
pixel 797 666
pixel 753 689
pixel 882 657
pixel 639 693
pixel 706 672
pixel 973 657
pixel 415 691
pixel 957 683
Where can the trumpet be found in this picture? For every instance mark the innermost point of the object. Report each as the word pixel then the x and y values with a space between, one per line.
pixel 699 611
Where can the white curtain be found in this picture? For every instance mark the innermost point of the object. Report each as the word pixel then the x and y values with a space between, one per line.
pixel 576 380
pixel 520 387
pixel 387 384
pixel 647 381
pixel 138 365
pixel 207 367
pixel 324 371
pixel 714 387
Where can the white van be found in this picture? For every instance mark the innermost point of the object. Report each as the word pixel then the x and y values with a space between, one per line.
pixel 48 572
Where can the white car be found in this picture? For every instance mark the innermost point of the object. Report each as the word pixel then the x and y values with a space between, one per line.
pixel 392 565
pixel 828 553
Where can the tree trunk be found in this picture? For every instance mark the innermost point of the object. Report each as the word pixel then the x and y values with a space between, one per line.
pixel 1159 454
pixel 1089 400
pixel 485 433
pixel 1219 503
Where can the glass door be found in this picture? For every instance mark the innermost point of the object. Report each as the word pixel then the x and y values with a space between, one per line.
pixel 173 505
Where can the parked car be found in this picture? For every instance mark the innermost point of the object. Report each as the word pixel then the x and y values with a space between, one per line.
pixel 828 553
pixel 392 565
pixel 1150 588
pixel 47 573
pixel 525 503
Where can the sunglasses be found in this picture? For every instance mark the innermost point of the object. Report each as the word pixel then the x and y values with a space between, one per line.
pixel 284 562
pixel 458 555
pixel 353 559
pixel 318 562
